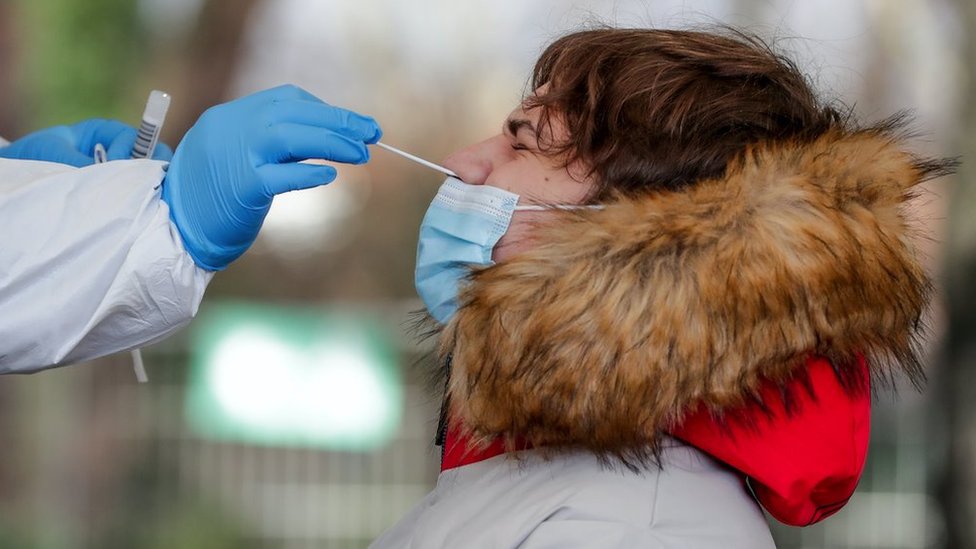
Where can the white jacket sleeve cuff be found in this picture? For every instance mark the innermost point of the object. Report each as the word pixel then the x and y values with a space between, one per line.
pixel 90 263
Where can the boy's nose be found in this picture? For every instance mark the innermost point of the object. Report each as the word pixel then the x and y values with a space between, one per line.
pixel 475 163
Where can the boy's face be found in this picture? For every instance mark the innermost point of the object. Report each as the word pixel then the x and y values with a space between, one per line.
pixel 512 160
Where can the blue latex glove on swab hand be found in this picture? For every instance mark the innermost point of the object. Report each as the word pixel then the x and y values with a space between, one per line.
pixel 240 154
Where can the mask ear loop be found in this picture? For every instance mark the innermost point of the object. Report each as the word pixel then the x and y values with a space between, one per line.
pixel 539 208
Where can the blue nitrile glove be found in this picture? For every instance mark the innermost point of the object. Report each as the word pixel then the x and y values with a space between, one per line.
pixel 239 155
pixel 75 144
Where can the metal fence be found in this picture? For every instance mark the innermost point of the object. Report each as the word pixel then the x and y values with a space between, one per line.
pixel 891 508
pixel 105 462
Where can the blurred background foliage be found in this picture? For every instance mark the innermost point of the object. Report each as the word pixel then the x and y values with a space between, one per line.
pixel 81 60
pixel 94 460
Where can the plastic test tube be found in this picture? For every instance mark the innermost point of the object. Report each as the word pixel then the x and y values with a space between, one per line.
pixel 152 123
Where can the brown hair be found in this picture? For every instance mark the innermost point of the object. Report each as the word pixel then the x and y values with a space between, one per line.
pixel 653 109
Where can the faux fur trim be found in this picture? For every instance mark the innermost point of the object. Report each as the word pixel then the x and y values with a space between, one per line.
pixel 630 315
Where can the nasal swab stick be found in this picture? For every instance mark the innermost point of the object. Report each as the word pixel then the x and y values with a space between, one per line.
pixel 417 159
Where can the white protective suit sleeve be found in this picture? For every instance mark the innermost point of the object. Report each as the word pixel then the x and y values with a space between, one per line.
pixel 90 263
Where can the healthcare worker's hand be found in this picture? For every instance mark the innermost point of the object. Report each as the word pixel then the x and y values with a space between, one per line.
pixel 75 144
pixel 239 155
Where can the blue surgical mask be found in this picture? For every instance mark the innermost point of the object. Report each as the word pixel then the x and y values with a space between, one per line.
pixel 459 231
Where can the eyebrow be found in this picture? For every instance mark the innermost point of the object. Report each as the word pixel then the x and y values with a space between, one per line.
pixel 513 125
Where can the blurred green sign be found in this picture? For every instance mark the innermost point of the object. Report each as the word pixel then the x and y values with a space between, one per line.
pixel 293 376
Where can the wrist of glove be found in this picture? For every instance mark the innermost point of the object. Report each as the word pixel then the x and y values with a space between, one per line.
pixel 75 144
pixel 239 155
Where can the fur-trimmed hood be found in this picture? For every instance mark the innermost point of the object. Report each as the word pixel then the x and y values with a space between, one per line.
pixel 626 317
